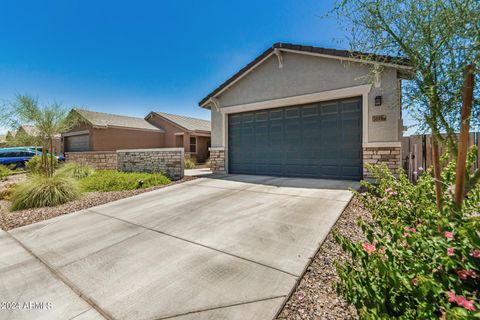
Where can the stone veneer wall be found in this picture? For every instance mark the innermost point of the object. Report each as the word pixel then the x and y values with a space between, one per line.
pixel 217 160
pixel 101 160
pixel 391 156
pixel 166 160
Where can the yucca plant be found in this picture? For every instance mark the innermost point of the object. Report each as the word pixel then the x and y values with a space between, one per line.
pixel 42 191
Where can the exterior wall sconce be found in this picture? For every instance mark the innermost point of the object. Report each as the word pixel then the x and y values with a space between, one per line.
pixel 378 100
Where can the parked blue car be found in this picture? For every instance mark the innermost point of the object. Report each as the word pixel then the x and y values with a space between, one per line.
pixel 17 157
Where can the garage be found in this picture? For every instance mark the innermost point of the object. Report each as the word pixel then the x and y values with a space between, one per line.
pixel 317 140
pixel 77 143
pixel 309 112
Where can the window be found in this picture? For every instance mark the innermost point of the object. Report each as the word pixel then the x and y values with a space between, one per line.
pixel 193 144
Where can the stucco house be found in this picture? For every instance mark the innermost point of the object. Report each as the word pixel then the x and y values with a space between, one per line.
pixel 99 131
pixel 180 131
pixel 26 133
pixel 305 111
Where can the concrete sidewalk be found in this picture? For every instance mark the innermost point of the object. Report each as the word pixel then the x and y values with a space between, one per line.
pixel 211 248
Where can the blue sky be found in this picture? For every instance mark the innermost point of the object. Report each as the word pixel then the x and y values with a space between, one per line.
pixel 132 57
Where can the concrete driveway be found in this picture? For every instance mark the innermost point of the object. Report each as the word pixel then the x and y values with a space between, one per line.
pixel 230 247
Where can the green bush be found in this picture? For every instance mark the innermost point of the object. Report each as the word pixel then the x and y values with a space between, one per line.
pixel 110 180
pixel 75 170
pixel 189 163
pixel 34 165
pixel 41 191
pixel 4 172
pixel 417 262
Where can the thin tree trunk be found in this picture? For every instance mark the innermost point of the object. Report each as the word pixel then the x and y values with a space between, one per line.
pixel 51 157
pixel 464 130
pixel 436 173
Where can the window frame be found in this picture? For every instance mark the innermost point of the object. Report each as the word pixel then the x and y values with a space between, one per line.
pixel 190 144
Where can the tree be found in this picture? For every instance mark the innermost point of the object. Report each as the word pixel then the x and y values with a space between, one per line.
pixel 440 38
pixel 49 121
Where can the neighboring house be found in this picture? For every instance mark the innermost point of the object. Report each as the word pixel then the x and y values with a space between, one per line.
pixel 308 112
pixel 10 135
pixel 26 131
pixel 3 140
pixel 100 131
pixel 180 131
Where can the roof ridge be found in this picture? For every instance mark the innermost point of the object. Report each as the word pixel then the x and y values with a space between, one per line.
pixel 109 114
pixel 180 115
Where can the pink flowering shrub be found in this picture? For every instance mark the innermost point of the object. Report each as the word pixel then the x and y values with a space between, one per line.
pixel 417 262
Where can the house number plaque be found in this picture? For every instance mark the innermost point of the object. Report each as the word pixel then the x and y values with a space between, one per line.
pixel 379 118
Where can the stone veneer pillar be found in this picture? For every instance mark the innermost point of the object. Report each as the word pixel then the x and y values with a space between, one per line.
pixel 391 156
pixel 217 159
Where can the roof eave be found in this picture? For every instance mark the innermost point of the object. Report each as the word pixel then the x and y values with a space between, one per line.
pixel 206 102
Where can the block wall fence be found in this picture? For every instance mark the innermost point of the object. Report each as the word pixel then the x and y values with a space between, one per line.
pixel 166 160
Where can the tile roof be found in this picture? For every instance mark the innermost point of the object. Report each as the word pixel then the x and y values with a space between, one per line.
pixel 29 129
pixel 189 123
pixel 3 138
pixel 318 50
pixel 101 119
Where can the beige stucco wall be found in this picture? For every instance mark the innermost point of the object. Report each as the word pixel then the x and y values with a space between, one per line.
pixel 304 74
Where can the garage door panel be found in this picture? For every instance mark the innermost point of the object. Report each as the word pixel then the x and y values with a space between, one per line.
pixel 321 140
pixel 77 143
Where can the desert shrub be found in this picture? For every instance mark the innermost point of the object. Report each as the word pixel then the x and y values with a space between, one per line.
pixel 6 191
pixel 189 163
pixel 75 170
pixel 111 180
pixel 4 172
pixel 417 262
pixel 41 191
pixel 208 163
pixel 34 165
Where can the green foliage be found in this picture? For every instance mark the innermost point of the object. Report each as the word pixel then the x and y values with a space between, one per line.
pixel 35 166
pixel 4 172
pixel 42 191
pixel 49 120
pixel 208 163
pixel 110 180
pixel 189 163
pixel 75 170
pixel 417 262
pixel 439 38
pixel 7 191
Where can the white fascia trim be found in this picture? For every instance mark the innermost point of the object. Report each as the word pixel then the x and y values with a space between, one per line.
pixel 394 144
pixel 362 90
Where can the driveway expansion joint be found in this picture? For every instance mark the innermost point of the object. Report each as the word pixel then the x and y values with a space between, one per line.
pixel 198 244
pixel 219 307
pixel 60 277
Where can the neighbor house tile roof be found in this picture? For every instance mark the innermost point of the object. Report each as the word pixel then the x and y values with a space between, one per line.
pixel 3 138
pixel 29 129
pixel 101 119
pixel 189 123
pixel 401 62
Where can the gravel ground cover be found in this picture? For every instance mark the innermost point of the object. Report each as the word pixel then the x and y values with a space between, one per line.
pixel 315 297
pixel 11 220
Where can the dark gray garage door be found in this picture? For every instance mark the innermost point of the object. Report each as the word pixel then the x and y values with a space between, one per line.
pixel 321 140
pixel 77 143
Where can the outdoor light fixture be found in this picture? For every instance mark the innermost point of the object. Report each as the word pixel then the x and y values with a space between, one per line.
pixel 378 100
